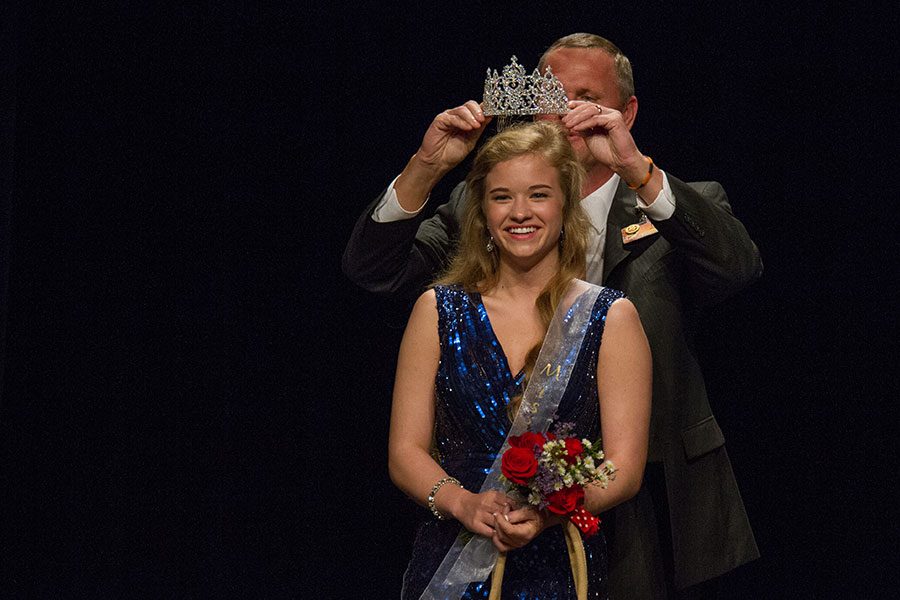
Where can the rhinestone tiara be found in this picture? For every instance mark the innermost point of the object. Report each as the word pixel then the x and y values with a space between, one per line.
pixel 515 93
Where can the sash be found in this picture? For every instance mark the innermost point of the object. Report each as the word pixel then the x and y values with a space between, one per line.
pixel 472 557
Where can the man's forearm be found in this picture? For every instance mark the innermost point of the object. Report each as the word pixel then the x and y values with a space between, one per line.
pixel 415 183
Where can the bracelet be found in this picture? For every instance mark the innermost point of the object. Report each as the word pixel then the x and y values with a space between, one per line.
pixel 434 490
pixel 646 178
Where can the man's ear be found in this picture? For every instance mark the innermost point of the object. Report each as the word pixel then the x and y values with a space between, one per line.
pixel 630 112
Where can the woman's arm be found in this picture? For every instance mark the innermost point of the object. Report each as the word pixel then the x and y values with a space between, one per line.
pixel 624 385
pixel 411 466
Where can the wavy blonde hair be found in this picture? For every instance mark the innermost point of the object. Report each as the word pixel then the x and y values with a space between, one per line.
pixel 476 269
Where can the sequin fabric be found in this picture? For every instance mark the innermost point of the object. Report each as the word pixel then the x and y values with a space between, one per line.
pixel 473 386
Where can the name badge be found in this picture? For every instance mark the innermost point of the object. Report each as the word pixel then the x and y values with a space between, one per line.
pixel 637 231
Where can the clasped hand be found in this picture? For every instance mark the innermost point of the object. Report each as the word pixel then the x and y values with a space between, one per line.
pixel 517 528
pixel 495 515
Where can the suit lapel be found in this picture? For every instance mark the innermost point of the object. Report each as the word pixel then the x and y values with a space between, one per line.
pixel 622 212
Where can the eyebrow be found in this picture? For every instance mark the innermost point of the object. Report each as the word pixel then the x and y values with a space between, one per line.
pixel 531 187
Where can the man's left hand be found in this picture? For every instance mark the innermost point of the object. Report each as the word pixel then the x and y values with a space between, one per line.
pixel 607 137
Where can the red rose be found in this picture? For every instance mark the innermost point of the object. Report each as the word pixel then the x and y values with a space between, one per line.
pixel 564 501
pixel 529 440
pixel 574 447
pixel 518 464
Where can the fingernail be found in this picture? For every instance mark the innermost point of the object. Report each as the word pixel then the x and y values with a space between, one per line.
pixel 506 517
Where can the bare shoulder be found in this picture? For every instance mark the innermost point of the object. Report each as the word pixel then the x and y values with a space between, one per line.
pixel 623 312
pixel 427 301
pixel 623 323
pixel 424 313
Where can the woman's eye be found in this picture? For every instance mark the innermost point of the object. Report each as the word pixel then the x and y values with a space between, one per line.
pixel 540 195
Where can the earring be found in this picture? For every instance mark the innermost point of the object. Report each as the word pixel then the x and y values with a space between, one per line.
pixel 490 244
pixel 562 236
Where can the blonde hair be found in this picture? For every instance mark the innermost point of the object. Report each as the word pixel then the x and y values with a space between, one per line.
pixel 474 267
pixel 624 75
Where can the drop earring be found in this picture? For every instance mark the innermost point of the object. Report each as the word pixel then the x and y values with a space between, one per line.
pixel 490 244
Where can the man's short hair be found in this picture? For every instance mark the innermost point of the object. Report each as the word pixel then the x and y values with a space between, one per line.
pixel 624 76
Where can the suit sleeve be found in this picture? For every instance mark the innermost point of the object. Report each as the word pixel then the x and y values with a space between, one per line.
pixel 721 258
pixel 401 258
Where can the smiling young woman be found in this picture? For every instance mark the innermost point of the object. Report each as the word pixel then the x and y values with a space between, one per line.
pixel 471 346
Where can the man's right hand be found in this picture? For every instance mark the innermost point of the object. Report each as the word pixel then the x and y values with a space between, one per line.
pixel 451 136
pixel 449 139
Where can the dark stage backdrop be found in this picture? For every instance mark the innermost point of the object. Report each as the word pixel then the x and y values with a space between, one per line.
pixel 195 401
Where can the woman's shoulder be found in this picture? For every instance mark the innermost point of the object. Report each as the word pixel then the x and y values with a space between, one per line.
pixel 426 304
pixel 602 297
pixel 453 293
pixel 608 296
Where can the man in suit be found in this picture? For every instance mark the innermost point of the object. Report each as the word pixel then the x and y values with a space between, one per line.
pixel 672 247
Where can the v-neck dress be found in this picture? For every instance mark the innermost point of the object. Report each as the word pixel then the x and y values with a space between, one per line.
pixel 472 389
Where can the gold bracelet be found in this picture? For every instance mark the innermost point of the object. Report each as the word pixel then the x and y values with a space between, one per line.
pixel 646 178
pixel 434 490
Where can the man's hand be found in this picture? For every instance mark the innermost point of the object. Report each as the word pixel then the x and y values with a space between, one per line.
pixel 448 140
pixel 608 138
pixel 452 135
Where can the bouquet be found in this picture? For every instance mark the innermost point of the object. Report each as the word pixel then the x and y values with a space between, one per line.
pixel 550 471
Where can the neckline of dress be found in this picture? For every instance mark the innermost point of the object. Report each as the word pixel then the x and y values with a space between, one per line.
pixel 480 306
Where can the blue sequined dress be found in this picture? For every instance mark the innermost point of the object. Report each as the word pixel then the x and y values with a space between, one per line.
pixel 473 386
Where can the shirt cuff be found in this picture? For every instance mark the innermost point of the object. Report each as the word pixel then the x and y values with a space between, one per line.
pixel 389 209
pixel 663 207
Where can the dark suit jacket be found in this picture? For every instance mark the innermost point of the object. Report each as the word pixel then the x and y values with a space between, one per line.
pixel 701 255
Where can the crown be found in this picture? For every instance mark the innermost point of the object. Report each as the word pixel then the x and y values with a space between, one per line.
pixel 515 93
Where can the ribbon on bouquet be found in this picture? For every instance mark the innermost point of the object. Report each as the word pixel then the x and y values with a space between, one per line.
pixel 472 558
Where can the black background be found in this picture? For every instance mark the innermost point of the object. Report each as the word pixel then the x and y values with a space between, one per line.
pixel 195 400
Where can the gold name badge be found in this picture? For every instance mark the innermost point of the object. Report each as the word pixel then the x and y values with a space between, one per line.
pixel 637 231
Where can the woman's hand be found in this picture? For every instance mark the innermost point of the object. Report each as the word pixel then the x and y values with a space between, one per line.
pixel 476 511
pixel 519 527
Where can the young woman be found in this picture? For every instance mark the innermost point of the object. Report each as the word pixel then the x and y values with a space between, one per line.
pixel 470 349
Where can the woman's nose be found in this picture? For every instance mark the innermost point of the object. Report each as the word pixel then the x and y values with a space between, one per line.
pixel 521 210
